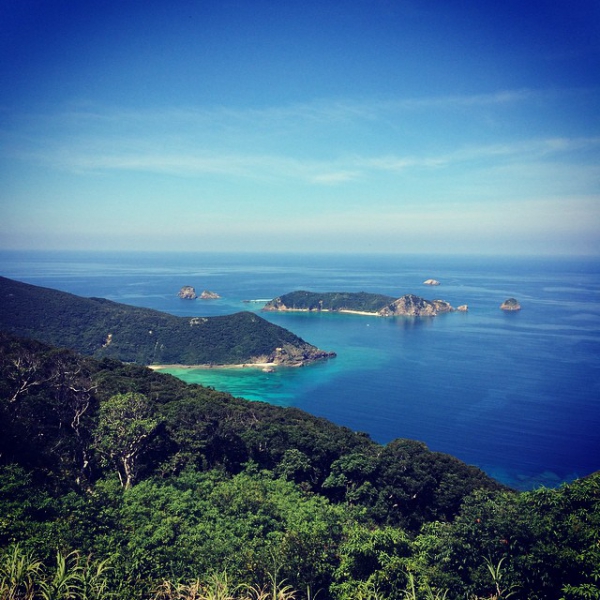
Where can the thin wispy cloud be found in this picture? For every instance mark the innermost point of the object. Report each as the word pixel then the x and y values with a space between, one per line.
pixel 194 162
pixel 325 111
pixel 522 150
pixel 394 113
pixel 335 177
pixel 269 144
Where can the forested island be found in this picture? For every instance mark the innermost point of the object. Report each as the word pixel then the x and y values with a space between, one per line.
pixel 102 328
pixel 359 303
pixel 117 481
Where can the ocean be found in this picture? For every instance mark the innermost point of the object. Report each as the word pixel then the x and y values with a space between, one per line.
pixel 516 394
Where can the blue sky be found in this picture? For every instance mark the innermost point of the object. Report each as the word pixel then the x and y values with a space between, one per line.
pixel 347 126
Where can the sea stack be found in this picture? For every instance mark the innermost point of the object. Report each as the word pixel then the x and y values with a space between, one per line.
pixel 187 292
pixel 511 304
pixel 410 305
pixel 207 295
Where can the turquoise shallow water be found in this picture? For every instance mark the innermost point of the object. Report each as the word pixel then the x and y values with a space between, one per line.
pixel 517 394
pixel 284 386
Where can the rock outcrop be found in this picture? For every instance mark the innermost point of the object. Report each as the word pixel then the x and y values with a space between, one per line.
pixel 462 308
pixel 206 295
pixel 431 282
pixel 410 305
pixel 441 306
pixel 290 355
pixel 187 292
pixel 510 304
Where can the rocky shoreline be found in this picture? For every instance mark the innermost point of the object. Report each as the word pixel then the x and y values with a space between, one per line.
pixel 287 355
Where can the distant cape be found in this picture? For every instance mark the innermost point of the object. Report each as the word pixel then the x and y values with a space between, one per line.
pixel 359 303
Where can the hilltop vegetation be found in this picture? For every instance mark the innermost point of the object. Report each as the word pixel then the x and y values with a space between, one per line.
pixel 332 301
pixel 101 328
pixel 151 488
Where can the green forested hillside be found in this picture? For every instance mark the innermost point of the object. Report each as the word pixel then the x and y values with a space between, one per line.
pixel 101 328
pixel 150 488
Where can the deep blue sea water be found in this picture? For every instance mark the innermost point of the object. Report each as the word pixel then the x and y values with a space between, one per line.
pixel 517 394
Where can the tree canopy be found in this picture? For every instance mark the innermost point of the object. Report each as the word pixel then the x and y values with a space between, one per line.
pixel 118 481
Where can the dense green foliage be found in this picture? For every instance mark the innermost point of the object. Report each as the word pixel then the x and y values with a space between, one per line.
pixel 332 301
pixel 101 328
pixel 117 481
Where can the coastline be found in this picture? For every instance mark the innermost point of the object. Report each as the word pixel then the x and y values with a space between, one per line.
pixel 459 419
pixel 355 312
pixel 215 366
pixel 326 310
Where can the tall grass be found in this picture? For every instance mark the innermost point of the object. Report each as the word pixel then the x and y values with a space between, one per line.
pixel 19 574
pixel 22 577
pixel 218 587
pixel 74 577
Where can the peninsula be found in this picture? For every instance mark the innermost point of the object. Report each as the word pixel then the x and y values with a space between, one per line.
pixel 104 329
pixel 359 303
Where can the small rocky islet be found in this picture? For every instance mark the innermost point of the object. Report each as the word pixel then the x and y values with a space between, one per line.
pixel 408 305
pixel 208 295
pixel 510 304
pixel 188 292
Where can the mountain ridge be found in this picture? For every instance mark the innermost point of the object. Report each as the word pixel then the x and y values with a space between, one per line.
pixel 100 328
